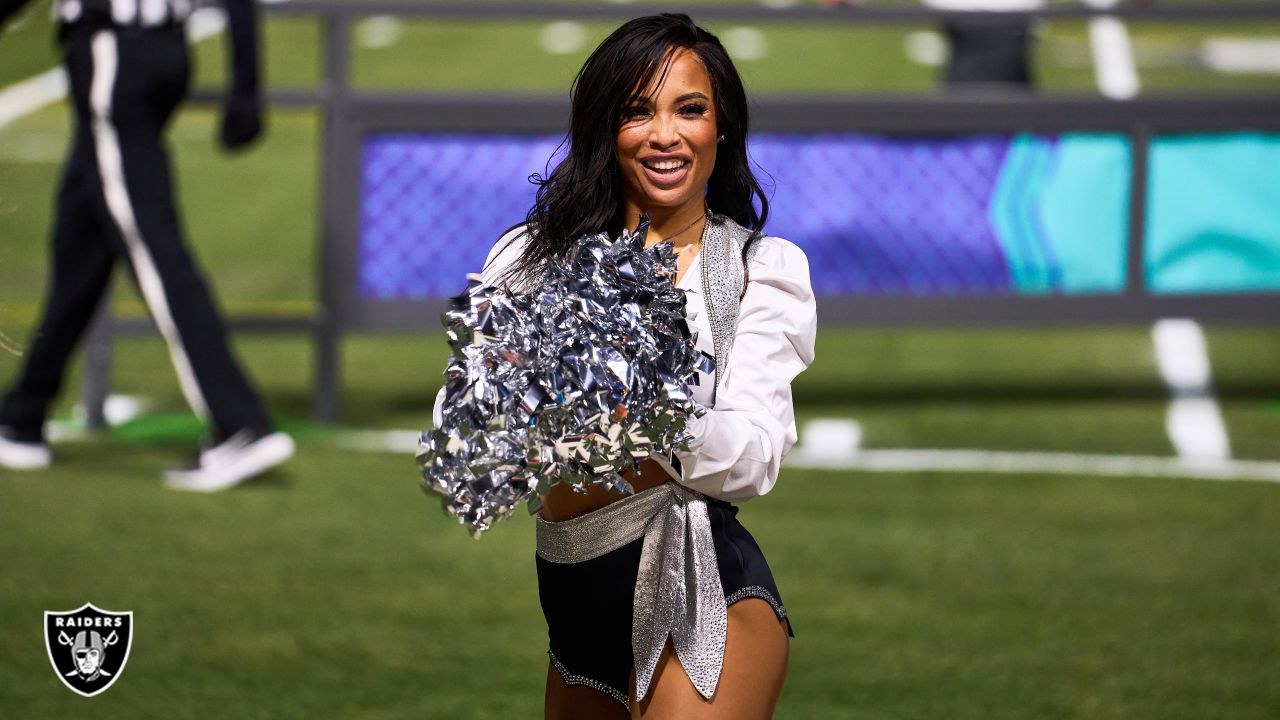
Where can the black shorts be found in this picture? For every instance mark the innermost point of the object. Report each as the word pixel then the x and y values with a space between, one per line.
pixel 588 605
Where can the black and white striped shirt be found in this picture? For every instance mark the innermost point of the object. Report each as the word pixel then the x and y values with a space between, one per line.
pixel 123 13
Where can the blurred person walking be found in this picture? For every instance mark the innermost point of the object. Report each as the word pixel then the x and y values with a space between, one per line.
pixel 128 71
pixel 982 51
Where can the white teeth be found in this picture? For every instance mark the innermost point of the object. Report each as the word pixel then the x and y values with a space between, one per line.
pixel 666 164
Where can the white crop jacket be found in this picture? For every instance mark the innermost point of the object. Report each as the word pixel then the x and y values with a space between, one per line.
pixel 738 445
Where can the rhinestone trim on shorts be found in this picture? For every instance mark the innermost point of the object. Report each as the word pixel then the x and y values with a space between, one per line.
pixel 571 680
pixel 755 591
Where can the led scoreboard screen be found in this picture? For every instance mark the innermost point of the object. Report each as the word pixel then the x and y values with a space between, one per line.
pixel 990 214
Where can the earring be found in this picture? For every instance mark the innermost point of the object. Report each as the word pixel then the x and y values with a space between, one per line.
pixel 720 139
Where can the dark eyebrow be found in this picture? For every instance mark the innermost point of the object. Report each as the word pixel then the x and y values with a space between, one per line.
pixel 691 96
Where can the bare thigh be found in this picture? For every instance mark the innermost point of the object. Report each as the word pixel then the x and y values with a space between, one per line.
pixel 578 703
pixel 755 666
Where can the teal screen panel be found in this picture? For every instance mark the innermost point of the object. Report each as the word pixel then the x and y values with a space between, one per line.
pixel 1213 214
pixel 1061 212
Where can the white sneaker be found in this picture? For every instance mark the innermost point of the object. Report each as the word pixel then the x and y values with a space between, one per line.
pixel 238 458
pixel 17 455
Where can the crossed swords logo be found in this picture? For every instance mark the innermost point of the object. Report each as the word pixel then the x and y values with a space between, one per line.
pixel 96 643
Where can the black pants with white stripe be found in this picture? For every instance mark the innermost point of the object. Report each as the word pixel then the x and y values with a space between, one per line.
pixel 116 200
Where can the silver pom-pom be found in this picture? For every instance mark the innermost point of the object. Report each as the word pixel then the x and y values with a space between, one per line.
pixel 576 381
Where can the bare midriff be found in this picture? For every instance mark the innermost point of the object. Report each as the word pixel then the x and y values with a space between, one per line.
pixel 564 503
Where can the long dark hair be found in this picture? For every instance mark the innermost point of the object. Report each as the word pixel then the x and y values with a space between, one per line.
pixel 583 195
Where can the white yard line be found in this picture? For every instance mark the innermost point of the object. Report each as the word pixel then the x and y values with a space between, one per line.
pixel 25 97
pixel 1113 62
pixel 830 439
pixel 830 445
pixel 988 461
pixel 1193 420
pixel 833 445
pixel 392 441
pixel 1239 55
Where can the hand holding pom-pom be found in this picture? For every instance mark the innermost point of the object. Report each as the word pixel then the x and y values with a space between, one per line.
pixel 576 381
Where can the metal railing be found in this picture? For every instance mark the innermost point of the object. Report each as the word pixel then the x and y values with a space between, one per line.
pixel 350 114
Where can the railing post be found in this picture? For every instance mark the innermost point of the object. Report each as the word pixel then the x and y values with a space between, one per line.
pixel 1136 277
pixel 326 397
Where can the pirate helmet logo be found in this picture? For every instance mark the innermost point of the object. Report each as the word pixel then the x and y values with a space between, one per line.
pixel 88 646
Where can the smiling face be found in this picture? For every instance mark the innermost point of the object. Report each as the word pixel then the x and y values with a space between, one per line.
pixel 666 146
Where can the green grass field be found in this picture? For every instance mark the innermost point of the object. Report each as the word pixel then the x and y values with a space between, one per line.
pixel 334 589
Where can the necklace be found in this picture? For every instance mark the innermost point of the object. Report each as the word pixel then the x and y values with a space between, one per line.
pixel 686 227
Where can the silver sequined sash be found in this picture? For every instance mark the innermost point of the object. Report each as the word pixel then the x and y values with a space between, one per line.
pixel 678 592
pixel 723 278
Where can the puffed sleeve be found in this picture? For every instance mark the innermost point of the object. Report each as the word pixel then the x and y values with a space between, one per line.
pixel 501 257
pixel 739 444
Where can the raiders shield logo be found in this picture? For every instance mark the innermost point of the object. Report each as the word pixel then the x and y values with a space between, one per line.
pixel 88 647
